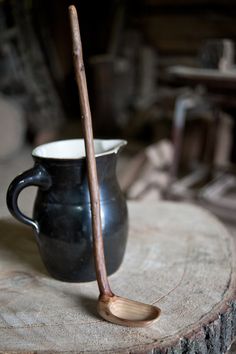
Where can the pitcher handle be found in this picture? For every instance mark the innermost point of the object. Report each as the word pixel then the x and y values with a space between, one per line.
pixel 36 176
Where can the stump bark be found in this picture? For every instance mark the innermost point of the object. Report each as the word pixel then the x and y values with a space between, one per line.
pixel 178 257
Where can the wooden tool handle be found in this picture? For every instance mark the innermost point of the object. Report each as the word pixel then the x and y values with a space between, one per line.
pixel 99 258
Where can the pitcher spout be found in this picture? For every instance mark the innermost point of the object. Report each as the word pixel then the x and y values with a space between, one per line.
pixel 105 147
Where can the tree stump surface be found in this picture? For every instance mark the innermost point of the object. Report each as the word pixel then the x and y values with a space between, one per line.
pixel 178 257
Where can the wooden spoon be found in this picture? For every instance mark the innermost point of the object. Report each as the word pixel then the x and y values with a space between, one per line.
pixel 112 308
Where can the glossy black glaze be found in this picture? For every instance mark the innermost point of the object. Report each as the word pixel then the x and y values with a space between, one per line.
pixel 62 215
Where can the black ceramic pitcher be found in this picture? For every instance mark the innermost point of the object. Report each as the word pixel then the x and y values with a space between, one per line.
pixel 62 213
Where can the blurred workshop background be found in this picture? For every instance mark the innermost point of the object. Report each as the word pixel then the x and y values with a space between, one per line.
pixel 161 74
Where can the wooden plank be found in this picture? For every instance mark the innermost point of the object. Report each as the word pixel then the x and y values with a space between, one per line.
pixel 187 3
pixel 178 257
pixel 184 33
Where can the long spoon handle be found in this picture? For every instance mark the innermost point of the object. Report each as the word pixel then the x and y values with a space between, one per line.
pixel 99 258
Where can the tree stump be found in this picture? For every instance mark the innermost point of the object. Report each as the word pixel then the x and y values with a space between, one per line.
pixel 178 257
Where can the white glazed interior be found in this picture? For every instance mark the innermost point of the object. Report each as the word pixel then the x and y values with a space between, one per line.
pixel 74 148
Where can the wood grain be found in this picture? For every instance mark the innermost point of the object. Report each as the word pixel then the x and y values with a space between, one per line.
pixel 179 257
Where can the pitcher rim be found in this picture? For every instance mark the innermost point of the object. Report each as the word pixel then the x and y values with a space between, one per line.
pixel 40 151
